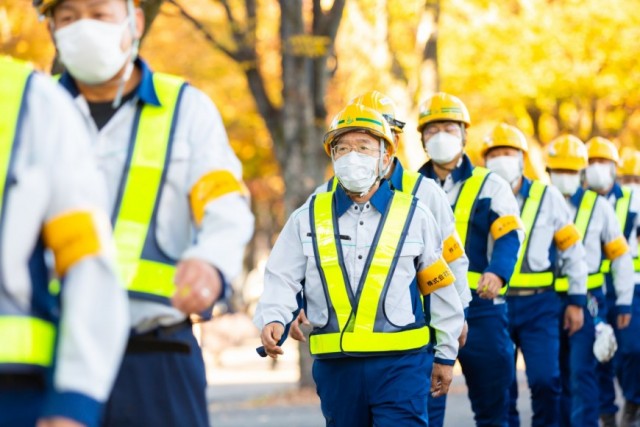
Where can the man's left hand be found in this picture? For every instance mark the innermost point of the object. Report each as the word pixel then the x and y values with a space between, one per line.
pixel 624 320
pixel 489 286
pixel 198 285
pixel 441 378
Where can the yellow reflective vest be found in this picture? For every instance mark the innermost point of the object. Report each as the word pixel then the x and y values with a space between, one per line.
pixel 24 339
pixel 356 325
pixel 583 217
pixel 622 213
pixel 529 214
pixel 147 272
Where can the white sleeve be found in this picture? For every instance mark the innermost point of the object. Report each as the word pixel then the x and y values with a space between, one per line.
pixel 227 224
pixel 445 308
pixel 430 193
pixel 572 259
pixel 622 266
pixel 284 273
pixel 94 321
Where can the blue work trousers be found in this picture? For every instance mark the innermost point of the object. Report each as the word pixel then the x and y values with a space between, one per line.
pixel 160 388
pixel 578 403
pixel 381 391
pixel 487 362
pixel 534 328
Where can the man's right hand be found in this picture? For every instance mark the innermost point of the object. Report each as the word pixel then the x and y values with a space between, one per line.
pixel 270 336
pixel 573 319
pixel 294 330
pixel 462 339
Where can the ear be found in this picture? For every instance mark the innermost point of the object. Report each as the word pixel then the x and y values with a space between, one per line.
pixel 139 22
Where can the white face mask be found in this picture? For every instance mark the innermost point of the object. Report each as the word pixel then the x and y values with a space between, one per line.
pixel 600 176
pixel 90 49
pixel 567 183
pixel 507 167
pixel 356 172
pixel 443 147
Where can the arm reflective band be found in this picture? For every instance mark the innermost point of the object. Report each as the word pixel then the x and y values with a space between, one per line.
pixel 26 340
pixel 436 276
pixel 451 248
pixel 211 186
pixel 566 237
pixel 616 248
pixel 504 225
pixel 71 237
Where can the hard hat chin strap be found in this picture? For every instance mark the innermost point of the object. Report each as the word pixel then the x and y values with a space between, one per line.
pixel 135 46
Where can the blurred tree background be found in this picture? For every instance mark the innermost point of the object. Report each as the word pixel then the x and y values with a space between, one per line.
pixel 278 71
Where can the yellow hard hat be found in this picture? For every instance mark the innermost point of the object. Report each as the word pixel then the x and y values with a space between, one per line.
pixel 629 162
pixel 357 117
pixel 45 6
pixel 566 152
pixel 383 105
pixel 505 135
pixel 602 148
pixel 442 107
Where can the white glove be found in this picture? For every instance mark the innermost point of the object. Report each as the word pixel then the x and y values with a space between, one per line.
pixel 605 345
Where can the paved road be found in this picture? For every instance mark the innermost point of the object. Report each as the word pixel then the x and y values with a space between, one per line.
pixel 240 405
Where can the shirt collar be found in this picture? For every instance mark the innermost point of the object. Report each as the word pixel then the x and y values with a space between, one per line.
pixel 379 200
pixel 461 172
pixel 577 197
pixel 145 91
pixel 616 191
pixel 525 187
pixel 396 177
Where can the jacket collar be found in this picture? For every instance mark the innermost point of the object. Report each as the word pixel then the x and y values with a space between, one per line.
pixel 145 91
pixel 461 172
pixel 379 200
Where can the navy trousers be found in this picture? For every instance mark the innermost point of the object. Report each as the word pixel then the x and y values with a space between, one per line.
pixel 160 388
pixel 487 362
pixel 626 362
pixel 578 402
pixel 535 330
pixel 380 391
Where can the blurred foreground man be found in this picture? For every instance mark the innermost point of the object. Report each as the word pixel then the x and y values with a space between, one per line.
pixel 371 263
pixel 488 224
pixel 600 233
pixel 59 348
pixel 552 244
pixel 601 178
pixel 180 215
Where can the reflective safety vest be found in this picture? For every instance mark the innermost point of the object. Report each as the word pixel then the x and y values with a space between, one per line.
pixel 582 220
pixel 464 209
pixel 147 272
pixel 24 339
pixel 357 323
pixel 529 215
pixel 622 212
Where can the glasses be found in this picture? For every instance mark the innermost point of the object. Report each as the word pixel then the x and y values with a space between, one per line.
pixel 343 149
pixel 452 128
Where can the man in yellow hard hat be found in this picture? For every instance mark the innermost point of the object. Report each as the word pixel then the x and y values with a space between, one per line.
pixel 179 209
pixel 425 190
pixel 489 227
pixel 598 227
pixel 601 178
pixel 552 243
pixel 371 262
pixel 60 349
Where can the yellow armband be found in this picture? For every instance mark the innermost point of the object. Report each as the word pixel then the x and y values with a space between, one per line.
pixel 211 186
pixel 566 237
pixel 504 225
pixel 615 248
pixel 436 276
pixel 71 237
pixel 451 248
